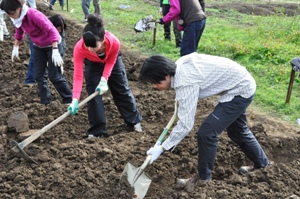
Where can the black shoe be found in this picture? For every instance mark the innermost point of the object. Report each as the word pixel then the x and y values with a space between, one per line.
pixel 51 7
pixel 246 169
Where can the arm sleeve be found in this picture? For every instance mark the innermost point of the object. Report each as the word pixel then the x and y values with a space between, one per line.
pixel 45 24
pixel 187 98
pixel 112 52
pixel 173 12
pixel 78 71
pixel 19 35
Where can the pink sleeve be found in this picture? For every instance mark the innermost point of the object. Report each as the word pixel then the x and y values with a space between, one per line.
pixel 78 70
pixel 19 35
pixel 173 12
pixel 112 51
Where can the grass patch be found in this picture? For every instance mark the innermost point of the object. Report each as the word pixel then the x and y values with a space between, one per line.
pixel 263 44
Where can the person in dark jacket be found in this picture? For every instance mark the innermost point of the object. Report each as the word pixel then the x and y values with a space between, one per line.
pixel 164 9
pixel 191 18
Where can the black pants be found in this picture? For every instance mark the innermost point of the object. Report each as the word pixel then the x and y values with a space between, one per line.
pixel 167 27
pixel 231 116
pixel 122 96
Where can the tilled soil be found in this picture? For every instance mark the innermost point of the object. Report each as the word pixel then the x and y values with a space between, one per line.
pixel 71 166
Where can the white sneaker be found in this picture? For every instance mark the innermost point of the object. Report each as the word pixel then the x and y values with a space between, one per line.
pixel 90 136
pixel 138 127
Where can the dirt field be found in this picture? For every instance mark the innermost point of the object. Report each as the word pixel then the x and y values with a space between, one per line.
pixel 71 166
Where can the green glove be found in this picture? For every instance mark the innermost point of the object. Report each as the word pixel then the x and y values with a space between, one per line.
pixel 102 86
pixel 73 108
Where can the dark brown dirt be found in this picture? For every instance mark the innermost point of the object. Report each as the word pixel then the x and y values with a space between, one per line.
pixel 71 166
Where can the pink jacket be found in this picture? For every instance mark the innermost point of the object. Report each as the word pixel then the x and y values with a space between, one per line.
pixel 112 45
pixel 38 27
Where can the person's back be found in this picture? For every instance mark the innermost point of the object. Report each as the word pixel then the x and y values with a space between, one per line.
pixel 191 19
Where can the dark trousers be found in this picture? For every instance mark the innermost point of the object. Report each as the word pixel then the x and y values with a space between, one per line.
pixel 42 57
pixel 167 27
pixel 122 96
pixel 191 37
pixel 61 2
pixel 30 76
pixel 232 117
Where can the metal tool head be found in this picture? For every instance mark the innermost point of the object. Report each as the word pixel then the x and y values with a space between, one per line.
pixel 16 148
pixel 145 24
pixel 137 179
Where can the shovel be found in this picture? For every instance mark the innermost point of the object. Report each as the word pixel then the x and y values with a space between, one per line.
pixel 18 147
pixel 136 177
pixel 146 24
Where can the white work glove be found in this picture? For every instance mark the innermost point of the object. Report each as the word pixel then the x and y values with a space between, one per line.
pixel 56 58
pixel 155 152
pixel 102 86
pixel 73 108
pixel 15 54
pixel 160 11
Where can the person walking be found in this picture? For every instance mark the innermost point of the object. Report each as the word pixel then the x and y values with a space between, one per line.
pixel 164 9
pixel 99 51
pixel 46 40
pixel 191 18
pixel 85 4
pixel 196 76
pixel 30 75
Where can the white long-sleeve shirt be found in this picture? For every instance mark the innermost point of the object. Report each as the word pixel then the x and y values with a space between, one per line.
pixel 198 76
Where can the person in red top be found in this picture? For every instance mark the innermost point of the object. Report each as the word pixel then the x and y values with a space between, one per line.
pixel 99 51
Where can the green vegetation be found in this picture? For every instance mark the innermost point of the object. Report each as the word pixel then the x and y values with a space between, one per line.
pixel 263 44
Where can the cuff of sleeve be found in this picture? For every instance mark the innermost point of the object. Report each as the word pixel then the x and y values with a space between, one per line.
pixel 161 21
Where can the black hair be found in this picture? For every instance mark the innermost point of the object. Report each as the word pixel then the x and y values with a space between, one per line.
pixel 94 31
pixel 10 6
pixel 58 21
pixel 156 68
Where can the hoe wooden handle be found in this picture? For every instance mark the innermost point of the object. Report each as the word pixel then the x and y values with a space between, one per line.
pixel 292 78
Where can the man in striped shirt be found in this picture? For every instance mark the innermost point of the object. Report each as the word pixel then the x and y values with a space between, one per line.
pixel 196 76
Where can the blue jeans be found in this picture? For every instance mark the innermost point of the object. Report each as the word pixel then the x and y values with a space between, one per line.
pixel 120 90
pixel 30 76
pixel 85 4
pixel 232 117
pixel 61 2
pixel 191 36
pixel 63 46
pixel 41 58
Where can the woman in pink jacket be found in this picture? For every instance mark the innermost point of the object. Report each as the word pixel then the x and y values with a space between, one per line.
pixel 99 51
pixel 46 40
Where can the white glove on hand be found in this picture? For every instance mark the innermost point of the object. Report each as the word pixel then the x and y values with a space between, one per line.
pixel 15 54
pixel 73 107
pixel 102 86
pixel 160 11
pixel 155 152
pixel 56 58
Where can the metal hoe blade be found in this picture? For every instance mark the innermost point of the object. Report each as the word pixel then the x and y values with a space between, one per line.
pixel 18 147
pixel 136 177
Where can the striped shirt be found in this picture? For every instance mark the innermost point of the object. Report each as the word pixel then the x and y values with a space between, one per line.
pixel 198 76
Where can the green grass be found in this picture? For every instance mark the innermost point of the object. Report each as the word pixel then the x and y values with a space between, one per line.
pixel 263 44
